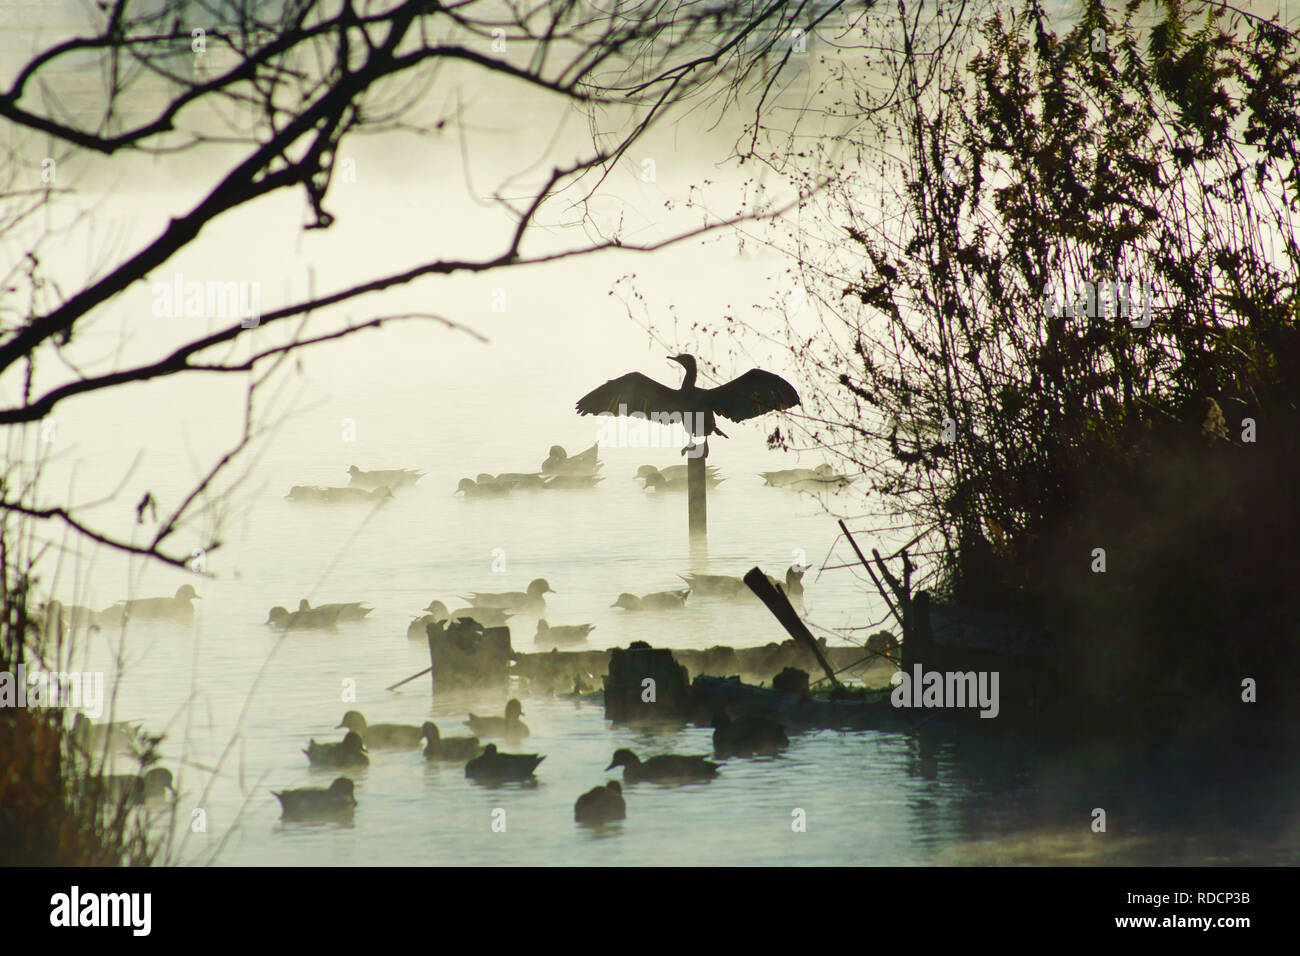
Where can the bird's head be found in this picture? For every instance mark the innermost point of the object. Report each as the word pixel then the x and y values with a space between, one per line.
pixel 623 758
pixel 685 361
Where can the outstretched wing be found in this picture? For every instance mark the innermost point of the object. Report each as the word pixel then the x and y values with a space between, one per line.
pixel 629 393
pixel 752 394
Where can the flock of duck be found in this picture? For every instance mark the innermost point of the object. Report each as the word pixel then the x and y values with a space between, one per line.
pixel 559 471
pixel 484 763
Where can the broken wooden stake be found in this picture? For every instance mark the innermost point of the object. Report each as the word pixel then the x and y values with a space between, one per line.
pixel 785 613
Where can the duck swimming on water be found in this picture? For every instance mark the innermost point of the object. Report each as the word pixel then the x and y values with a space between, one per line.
pixel 353 612
pixel 674 472
pixel 725 586
pixel 308 802
pixel 497 767
pixel 743 398
pixel 563 636
pixel 349 752
pixel 601 805
pixel 665 768
pixel 382 736
pixel 137 789
pixel 658 483
pixel 177 609
pixel 311 494
pixel 394 480
pixel 487 616
pixel 482 489
pixel 532 601
pixel 780 479
pixel 312 619
pixel 438 747
pixel 509 726
pixel 658 601
pixel 559 462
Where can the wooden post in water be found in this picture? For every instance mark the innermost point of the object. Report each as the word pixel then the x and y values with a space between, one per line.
pixel 696 487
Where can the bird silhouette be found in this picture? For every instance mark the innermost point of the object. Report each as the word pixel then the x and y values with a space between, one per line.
pixel 743 398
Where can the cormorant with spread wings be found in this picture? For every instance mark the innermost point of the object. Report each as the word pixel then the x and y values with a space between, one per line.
pixel 745 397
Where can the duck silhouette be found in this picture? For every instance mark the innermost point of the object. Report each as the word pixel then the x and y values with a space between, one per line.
pixel 309 802
pixel 787 477
pixel 821 483
pixel 735 589
pixel 673 472
pixel 745 736
pixel 559 462
pixel 315 495
pixel 439 747
pixel 352 612
pixel 177 609
pixel 382 736
pixel 601 805
pixel 393 480
pixel 563 636
pixel 665 768
pixel 493 766
pixel 488 488
pixel 509 726
pixel 531 601
pixel 137 789
pixel 312 619
pixel 349 752
pixel 658 601
pixel 659 483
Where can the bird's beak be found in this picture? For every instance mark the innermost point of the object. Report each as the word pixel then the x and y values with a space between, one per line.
pixel 340 726
pixel 610 767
